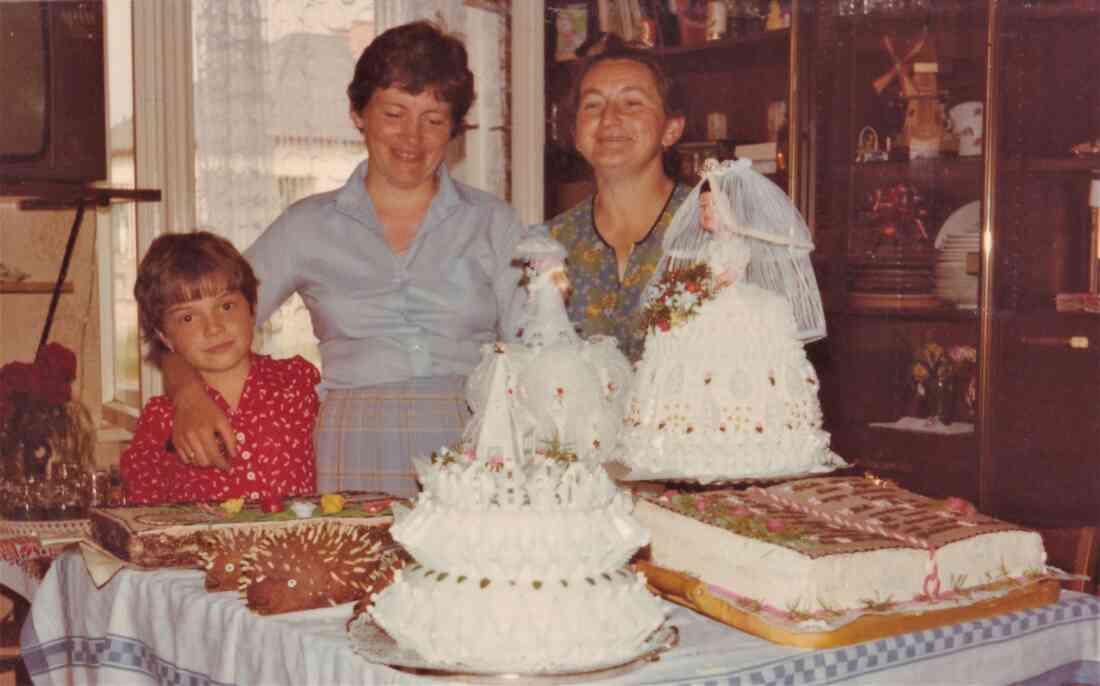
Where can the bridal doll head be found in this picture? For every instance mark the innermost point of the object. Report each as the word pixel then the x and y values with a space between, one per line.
pixel 726 254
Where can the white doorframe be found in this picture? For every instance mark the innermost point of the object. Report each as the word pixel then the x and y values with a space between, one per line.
pixel 528 109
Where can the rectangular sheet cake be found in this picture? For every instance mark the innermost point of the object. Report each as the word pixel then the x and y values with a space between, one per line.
pixel 834 544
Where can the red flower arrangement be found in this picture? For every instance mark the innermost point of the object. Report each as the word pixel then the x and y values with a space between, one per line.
pixel 677 296
pixel 39 421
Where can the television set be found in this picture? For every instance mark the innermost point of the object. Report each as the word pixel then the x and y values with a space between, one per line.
pixel 52 110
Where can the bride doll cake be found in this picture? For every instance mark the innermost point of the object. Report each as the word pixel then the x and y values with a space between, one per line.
pixel 724 390
pixel 520 540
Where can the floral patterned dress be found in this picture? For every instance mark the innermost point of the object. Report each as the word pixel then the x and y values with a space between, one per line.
pixel 601 303
pixel 274 424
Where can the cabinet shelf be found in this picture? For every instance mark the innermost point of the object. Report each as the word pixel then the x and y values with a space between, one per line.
pixel 753 41
pixel 959 166
pixel 1072 165
pixel 33 287
pixel 941 314
pixel 49 195
pixel 910 17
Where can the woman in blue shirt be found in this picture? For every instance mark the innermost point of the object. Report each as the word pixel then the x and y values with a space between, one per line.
pixel 405 272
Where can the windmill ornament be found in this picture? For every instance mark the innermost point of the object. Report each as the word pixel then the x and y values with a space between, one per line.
pixel 900 70
pixel 925 129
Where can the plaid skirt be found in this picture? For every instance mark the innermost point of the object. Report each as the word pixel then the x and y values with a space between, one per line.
pixel 366 437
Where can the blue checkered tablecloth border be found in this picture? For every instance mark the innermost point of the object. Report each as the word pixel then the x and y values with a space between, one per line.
pixel 103 654
pixel 837 664
pixel 114 652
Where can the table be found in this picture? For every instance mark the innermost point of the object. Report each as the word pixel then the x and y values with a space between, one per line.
pixel 150 627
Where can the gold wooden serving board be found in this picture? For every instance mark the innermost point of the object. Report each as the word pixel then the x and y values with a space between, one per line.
pixel 694 595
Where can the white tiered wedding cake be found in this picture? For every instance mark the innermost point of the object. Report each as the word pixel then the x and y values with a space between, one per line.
pixel 724 390
pixel 520 539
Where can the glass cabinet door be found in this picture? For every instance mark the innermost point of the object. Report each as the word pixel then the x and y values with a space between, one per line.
pixel 897 182
pixel 1040 391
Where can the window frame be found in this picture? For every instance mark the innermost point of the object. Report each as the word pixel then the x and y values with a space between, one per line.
pixel 163 159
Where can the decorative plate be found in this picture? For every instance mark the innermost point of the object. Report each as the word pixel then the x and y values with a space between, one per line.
pixel 374 645
pixel 965 220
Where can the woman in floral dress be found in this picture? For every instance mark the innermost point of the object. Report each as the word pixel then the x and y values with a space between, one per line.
pixel 627 118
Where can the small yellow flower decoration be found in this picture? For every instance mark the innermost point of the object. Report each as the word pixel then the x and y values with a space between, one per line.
pixel 331 503
pixel 233 506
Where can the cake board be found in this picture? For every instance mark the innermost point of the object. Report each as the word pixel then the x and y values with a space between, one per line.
pixel 374 645
pixel 658 485
pixel 694 594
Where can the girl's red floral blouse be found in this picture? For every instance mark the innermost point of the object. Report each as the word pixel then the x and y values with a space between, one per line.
pixel 274 426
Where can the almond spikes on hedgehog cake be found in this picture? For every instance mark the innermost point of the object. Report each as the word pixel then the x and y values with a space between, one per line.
pixel 316 564
pixel 221 554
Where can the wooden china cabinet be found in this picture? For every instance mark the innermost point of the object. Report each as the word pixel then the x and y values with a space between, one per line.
pixel 925 238
pixel 877 206
pixel 1007 229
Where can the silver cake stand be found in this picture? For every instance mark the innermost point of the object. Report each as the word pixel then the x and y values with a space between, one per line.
pixel 375 645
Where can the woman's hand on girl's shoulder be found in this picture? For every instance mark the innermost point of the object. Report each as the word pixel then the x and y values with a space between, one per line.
pixel 201 432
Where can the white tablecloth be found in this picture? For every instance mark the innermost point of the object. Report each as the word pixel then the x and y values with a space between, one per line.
pixel 162 627
pixel 23 559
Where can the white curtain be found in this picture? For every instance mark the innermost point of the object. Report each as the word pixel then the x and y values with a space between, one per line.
pixel 271 120
pixel 232 105
pixel 480 158
pixel 450 13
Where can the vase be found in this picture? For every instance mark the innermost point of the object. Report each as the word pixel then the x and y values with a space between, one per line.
pixel 45 459
pixel 941 402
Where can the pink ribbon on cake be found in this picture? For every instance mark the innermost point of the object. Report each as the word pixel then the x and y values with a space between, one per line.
pixel 931 586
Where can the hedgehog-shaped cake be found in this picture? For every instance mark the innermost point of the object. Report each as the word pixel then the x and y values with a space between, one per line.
pixel 313 565
pixel 221 553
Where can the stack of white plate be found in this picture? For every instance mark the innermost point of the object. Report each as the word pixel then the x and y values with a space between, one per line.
pixel 959 236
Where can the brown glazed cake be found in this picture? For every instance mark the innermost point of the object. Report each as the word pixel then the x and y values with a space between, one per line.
pixel 222 553
pixel 168 535
pixel 316 564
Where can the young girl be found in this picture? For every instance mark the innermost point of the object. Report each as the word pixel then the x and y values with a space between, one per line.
pixel 196 297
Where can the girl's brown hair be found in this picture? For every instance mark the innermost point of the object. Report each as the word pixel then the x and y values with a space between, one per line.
pixel 416 57
pixel 179 267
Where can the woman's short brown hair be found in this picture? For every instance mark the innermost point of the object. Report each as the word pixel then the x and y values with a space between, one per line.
pixel 179 267
pixel 416 57
pixel 611 47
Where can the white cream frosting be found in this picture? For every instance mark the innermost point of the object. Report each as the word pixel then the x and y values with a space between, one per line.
pixel 776 576
pixel 493 624
pixel 727 394
pixel 787 580
pixel 528 396
pixel 520 567
pixel 546 520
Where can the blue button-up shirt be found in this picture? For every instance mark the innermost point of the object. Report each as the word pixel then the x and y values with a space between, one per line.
pixel 383 317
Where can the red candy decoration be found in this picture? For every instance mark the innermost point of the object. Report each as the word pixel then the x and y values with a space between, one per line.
pixel 272 504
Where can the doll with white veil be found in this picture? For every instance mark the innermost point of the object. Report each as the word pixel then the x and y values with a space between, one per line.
pixel 724 390
pixel 553 390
